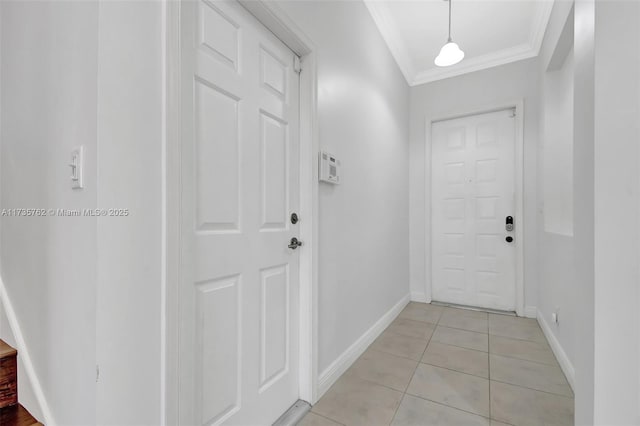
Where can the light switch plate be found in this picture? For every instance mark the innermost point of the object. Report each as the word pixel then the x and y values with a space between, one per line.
pixel 77 167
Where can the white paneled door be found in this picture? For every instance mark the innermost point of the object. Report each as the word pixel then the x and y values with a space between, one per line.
pixel 473 184
pixel 239 292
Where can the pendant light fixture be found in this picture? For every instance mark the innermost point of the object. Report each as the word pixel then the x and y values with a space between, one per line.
pixel 450 54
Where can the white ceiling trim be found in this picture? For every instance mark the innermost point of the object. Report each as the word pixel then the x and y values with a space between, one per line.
pixel 502 57
pixel 393 40
pixel 540 28
pixel 513 54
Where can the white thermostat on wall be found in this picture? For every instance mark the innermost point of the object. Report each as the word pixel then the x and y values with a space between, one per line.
pixel 329 168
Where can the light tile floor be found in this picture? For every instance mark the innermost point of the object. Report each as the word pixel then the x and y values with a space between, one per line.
pixel 440 366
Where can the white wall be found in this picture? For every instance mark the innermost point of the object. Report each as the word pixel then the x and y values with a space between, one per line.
pixel 556 163
pixel 583 206
pixel 49 74
pixel 130 86
pixel 607 211
pixel 363 103
pixel 519 80
pixel 616 213
pixel 26 394
pixel 557 289
pixel 85 291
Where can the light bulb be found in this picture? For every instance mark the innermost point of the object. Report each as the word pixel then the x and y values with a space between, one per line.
pixel 450 54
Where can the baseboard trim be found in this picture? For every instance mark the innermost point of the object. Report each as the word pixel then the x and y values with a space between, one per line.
pixel 23 354
pixel 337 368
pixel 531 312
pixel 556 347
pixel 419 297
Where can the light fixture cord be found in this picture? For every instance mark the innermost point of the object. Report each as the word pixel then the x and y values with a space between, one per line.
pixel 449 21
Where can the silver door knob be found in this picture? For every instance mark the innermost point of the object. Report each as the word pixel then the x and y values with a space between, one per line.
pixel 294 243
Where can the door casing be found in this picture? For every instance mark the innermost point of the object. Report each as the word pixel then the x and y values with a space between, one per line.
pixel 276 20
pixel 518 106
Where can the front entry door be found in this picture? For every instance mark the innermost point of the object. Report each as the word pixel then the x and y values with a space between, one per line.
pixel 239 291
pixel 473 188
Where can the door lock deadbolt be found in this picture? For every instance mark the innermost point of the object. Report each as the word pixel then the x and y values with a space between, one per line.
pixel 509 239
pixel 509 223
pixel 294 218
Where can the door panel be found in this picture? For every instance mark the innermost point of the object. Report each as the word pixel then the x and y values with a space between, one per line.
pixel 274 321
pixel 472 192
pixel 218 164
pixel 217 370
pixel 239 291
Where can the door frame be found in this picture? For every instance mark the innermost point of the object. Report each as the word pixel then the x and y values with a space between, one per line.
pixel 518 106
pixel 277 21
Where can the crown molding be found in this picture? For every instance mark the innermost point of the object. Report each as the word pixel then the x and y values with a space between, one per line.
pixel 501 57
pixel 392 38
pixel 540 27
pixel 415 77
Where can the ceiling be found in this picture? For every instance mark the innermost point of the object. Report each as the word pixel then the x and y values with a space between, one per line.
pixel 490 32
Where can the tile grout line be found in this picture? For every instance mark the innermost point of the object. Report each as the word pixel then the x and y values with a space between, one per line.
pixel 532 389
pixel 480 415
pixel 451 369
pixel 507 336
pixel 512 384
pixel 325 417
pixel 468 308
pixel 450 406
pixel 406 335
pixel 462 329
pixel 489 372
pixel 461 347
pixel 414 320
pixel 520 340
pixel 546 342
pixel 414 371
pixel 398 356
pixel 525 359
pixel 548 346
pixel 405 318
pixel 395 354
pixel 489 353
pixel 381 385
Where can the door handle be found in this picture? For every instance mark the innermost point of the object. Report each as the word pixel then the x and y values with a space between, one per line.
pixel 294 243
